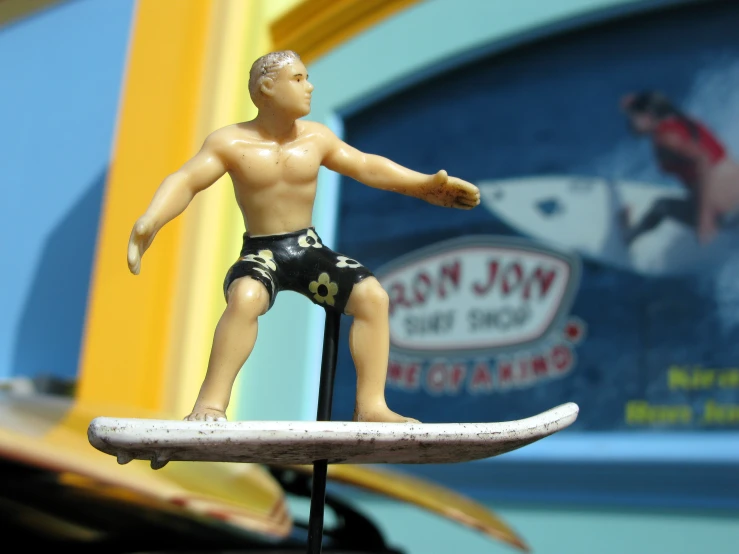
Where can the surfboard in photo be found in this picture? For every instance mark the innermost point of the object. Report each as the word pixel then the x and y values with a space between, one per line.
pixel 589 215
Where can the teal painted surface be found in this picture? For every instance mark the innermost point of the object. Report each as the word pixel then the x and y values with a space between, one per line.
pixel 556 530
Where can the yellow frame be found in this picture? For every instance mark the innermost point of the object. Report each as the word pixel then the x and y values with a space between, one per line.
pixel 315 27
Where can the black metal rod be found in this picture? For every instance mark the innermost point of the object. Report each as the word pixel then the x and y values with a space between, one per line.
pixel 325 398
pixel 317 506
pixel 328 365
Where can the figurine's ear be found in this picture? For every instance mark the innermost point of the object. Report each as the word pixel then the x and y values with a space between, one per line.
pixel 268 86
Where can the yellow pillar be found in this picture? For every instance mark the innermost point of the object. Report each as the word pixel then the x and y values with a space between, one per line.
pixel 129 319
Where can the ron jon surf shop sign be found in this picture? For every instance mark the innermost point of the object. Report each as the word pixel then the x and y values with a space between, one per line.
pixel 481 312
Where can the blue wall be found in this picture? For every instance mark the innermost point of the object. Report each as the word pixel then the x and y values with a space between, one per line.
pixel 61 70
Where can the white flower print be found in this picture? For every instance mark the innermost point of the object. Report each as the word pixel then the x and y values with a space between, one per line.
pixel 309 239
pixel 324 289
pixel 268 276
pixel 264 258
pixel 347 262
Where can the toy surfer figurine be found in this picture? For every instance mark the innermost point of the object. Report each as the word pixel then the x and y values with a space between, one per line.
pixel 273 162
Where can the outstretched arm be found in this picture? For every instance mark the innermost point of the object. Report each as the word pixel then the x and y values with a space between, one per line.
pixel 378 172
pixel 173 196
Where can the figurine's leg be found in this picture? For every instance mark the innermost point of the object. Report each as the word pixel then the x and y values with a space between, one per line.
pixel 679 209
pixel 369 342
pixel 233 341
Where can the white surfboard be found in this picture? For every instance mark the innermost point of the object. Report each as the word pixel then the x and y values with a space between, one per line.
pixel 304 442
pixel 584 214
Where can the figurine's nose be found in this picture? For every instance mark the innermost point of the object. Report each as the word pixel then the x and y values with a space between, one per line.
pixel 310 86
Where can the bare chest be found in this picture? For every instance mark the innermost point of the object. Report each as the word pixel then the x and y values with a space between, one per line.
pixel 267 165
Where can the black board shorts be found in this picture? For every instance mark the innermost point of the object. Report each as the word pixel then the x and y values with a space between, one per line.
pixel 300 262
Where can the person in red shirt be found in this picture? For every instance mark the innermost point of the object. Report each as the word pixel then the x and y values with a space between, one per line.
pixel 687 149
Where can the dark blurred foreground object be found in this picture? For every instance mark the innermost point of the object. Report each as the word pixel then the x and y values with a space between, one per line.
pixel 47 510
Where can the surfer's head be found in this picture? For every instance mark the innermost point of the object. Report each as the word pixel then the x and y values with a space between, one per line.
pixel 647 109
pixel 280 80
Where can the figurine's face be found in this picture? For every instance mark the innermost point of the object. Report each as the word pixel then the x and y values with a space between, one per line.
pixel 290 91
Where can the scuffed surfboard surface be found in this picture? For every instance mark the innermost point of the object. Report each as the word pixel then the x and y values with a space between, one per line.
pixel 304 442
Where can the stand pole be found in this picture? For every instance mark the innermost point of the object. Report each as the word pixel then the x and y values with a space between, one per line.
pixel 325 396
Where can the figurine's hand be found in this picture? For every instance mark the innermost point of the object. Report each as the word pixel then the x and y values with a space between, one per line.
pixel 142 235
pixel 451 192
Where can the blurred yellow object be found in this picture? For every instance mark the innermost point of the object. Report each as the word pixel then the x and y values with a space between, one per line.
pixel 51 433
pixel 315 27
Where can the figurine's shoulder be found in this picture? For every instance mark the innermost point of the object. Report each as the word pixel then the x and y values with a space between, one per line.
pixel 221 138
pixel 231 138
pixel 236 131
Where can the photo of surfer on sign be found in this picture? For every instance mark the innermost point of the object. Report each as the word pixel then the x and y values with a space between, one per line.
pixel 687 149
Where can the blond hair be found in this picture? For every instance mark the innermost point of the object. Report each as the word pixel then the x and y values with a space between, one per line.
pixel 267 67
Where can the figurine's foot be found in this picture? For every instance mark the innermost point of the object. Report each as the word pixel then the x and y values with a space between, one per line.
pixel 381 414
pixel 206 414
